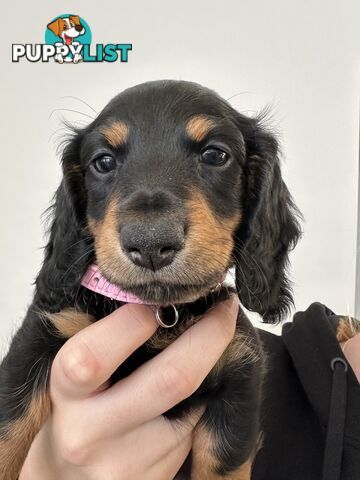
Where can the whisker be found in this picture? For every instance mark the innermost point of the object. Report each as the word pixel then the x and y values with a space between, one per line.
pixel 82 101
pixel 64 128
pixel 69 110
pixel 75 262
pixel 245 92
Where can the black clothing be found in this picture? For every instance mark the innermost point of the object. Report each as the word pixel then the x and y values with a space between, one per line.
pixel 302 390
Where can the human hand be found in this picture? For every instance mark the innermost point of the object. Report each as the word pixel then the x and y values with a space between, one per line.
pixel 351 350
pixel 95 432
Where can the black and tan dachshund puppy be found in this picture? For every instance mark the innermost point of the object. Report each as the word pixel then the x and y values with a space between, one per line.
pixel 164 191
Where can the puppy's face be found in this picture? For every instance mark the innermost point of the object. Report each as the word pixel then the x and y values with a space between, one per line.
pixel 67 28
pixel 174 186
pixel 163 171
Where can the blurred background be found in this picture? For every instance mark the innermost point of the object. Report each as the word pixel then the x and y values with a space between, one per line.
pixel 299 58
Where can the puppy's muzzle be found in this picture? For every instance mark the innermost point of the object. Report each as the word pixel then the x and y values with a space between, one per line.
pixel 152 227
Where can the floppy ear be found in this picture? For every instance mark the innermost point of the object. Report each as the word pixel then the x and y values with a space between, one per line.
pixel 67 252
pixel 55 26
pixel 75 19
pixel 270 227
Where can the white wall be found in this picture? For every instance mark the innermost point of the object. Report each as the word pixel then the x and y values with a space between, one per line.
pixel 301 57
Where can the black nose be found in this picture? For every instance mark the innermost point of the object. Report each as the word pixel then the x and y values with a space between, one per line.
pixel 78 28
pixel 154 245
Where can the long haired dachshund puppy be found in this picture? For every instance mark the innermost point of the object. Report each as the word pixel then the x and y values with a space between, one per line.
pixel 161 194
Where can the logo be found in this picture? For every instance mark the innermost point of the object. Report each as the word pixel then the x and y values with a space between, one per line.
pixel 68 40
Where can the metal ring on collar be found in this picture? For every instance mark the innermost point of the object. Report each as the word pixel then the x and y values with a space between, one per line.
pixel 160 321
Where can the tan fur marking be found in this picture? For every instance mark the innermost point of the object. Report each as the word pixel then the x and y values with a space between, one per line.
pixel 73 170
pixel 243 473
pixel 241 351
pixel 210 239
pixel 116 134
pixel 92 226
pixel 109 255
pixel 204 462
pixel 206 254
pixel 70 321
pixel 348 327
pixel 198 127
pixel 20 435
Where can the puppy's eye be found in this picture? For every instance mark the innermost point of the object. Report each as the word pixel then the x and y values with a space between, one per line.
pixel 65 26
pixel 214 156
pixel 104 164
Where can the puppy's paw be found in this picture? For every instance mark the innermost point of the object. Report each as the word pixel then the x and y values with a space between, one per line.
pixel 77 58
pixel 59 58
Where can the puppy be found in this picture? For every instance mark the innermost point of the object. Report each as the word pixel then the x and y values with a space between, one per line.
pixel 67 28
pixel 162 193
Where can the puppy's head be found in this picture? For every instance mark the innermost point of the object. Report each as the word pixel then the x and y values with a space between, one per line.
pixel 175 187
pixel 67 28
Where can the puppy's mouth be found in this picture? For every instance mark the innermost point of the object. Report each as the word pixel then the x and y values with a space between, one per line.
pixel 68 40
pixel 165 294
pixel 157 289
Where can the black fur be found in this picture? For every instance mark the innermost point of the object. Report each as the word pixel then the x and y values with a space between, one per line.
pixel 159 155
pixel 271 228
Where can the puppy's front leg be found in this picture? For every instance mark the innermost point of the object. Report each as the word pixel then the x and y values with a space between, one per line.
pixel 24 379
pixel 226 438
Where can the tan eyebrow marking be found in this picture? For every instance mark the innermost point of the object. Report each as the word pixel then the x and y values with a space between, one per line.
pixel 199 126
pixel 116 134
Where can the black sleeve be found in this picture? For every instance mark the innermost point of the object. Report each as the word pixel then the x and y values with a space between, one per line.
pixel 297 396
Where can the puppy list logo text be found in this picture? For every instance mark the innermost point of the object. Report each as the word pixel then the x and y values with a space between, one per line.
pixel 68 40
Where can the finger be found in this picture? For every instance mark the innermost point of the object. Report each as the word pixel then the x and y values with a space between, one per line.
pixel 157 438
pixel 171 376
pixel 137 461
pixel 168 466
pixel 89 358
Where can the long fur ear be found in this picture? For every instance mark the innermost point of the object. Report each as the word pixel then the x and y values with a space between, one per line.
pixel 270 227
pixel 67 251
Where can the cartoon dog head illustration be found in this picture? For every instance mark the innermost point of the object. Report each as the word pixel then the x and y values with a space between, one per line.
pixel 67 28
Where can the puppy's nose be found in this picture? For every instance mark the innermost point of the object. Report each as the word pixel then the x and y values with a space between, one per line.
pixel 78 28
pixel 152 246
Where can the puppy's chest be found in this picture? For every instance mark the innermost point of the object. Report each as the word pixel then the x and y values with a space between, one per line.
pixel 189 314
pixel 161 339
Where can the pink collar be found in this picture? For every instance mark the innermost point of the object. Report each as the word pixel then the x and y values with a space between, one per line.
pixel 95 281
